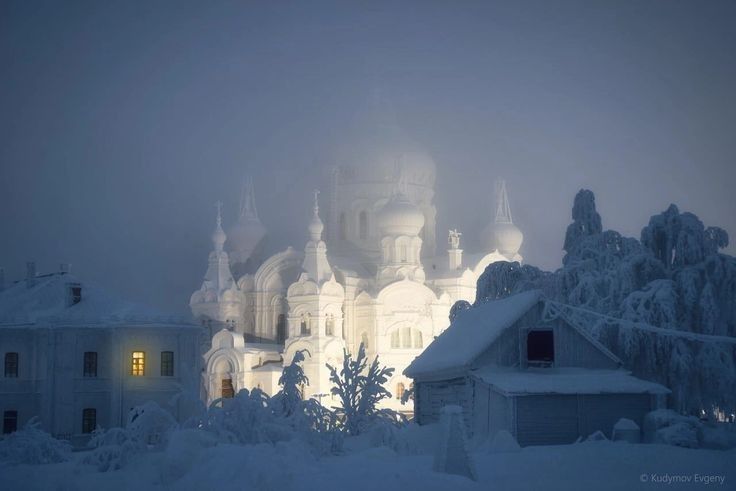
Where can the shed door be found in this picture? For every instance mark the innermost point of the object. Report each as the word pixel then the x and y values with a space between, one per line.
pixel 546 420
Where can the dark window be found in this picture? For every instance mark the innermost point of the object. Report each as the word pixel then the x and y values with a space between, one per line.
pixel 363 225
pixel 540 347
pixel 11 365
pixel 89 420
pixel 228 391
pixel 90 363
pixel 305 327
pixel 75 294
pixel 281 328
pixel 10 421
pixel 167 363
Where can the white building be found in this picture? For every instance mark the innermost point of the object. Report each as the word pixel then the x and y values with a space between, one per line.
pixel 78 357
pixel 373 278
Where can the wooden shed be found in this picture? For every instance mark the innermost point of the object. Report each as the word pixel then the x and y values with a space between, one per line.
pixel 546 382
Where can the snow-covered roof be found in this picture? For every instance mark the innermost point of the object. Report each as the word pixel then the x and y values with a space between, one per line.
pixel 46 301
pixel 470 334
pixel 511 381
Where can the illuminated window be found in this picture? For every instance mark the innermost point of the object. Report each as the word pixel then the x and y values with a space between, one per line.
pixel 89 420
pixel 90 364
pixel 400 390
pixel 11 365
pixel 139 364
pixel 167 363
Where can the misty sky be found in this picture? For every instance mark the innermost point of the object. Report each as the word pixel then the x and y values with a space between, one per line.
pixel 122 123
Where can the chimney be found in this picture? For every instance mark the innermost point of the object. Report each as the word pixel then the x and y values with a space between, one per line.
pixel 30 274
pixel 65 268
pixel 454 253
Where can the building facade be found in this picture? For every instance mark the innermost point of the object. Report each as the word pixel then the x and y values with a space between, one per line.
pixel 371 275
pixel 78 357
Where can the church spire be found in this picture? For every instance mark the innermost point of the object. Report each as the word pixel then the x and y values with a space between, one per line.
pixel 315 252
pixel 248 200
pixel 503 210
pixel 218 236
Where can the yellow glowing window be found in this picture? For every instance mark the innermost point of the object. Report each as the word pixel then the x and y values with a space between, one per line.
pixel 139 364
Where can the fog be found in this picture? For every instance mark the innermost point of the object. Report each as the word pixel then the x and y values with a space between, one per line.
pixel 121 124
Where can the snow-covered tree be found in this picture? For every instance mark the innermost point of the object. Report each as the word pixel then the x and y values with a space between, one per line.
pixel 289 400
pixel 586 220
pixel 360 387
pixel 31 445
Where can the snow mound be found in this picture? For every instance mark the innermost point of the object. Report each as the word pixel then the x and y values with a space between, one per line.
pixel 502 442
pixel 32 445
pixel 452 455
pixel 671 428
pixel 183 451
pixel 626 430
pixel 598 436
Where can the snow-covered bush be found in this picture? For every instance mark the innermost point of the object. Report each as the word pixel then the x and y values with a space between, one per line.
pixel 245 419
pixel 360 388
pixel 670 428
pixel 148 428
pixel 32 445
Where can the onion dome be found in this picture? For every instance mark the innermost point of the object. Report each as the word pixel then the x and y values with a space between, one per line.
pixel 400 217
pixel 508 238
pixel 502 234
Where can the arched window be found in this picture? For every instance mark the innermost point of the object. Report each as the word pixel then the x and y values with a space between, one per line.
pixel 281 328
pixel 400 390
pixel 363 225
pixel 306 328
pixel 342 227
pixel 395 342
pixel 228 391
pixel 404 253
pixel 364 340
pixel 407 338
pixel 330 325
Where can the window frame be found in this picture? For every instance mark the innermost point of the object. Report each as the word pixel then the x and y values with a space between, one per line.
pixel 12 364
pixel 10 415
pixel 89 420
pixel 140 366
pixel 89 364
pixel 168 364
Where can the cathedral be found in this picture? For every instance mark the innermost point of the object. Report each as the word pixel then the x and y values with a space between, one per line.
pixel 372 275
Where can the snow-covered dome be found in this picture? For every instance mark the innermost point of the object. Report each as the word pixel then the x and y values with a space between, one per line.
pixel 376 145
pixel 504 237
pixel 399 216
pixel 315 228
pixel 508 238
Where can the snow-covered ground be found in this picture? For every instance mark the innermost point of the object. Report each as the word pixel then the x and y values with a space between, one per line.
pixel 599 465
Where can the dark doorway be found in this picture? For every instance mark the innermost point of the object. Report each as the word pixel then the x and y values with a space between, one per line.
pixel 540 347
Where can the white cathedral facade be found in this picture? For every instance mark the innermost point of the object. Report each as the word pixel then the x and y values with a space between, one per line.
pixel 375 278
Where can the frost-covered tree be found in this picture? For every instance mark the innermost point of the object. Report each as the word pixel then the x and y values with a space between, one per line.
pixel 360 387
pixel 673 279
pixel 585 219
pixel 289 400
